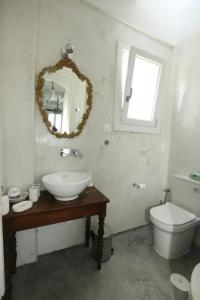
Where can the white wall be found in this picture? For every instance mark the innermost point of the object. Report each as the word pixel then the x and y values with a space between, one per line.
pixel 1 96
pixel 37 34
pixel 170 21
pixel 18 97
pixel 185 141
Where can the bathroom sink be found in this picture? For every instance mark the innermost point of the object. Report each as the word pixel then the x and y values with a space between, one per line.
pixel 66 186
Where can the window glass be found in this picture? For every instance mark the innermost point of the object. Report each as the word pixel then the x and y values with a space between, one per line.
pixel 145 81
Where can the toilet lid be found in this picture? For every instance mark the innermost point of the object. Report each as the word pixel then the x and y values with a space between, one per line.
pixel 195 283
pixel 171 214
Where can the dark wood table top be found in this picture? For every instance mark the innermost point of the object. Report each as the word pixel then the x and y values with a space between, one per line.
pixel 46 202
pixel 47 210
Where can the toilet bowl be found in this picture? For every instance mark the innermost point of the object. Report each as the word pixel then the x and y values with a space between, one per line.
pixel 173 230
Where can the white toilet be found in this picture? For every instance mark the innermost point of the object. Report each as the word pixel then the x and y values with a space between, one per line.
pixel 174 226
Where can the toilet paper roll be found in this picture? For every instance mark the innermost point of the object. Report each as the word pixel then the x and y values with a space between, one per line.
pixel 139 186
pixel 4 205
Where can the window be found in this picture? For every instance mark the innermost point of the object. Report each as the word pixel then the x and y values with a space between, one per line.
pixel 137 90
pixel 56 121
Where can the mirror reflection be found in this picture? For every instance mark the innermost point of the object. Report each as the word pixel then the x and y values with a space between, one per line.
pixel 65 100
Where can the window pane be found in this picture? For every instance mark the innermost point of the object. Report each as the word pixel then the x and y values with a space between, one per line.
pixel 51 118
pixel 58 122
pixel 145 82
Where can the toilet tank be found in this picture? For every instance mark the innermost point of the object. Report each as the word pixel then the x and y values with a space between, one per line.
pixel 186 193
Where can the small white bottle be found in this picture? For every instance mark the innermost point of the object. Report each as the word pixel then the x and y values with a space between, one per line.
pixel 33 194
pixel 37 185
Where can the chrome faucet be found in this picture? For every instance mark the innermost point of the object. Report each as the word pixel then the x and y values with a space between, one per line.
pixel 71 153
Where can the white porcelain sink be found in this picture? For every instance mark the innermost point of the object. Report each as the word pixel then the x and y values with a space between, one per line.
pixel 66 186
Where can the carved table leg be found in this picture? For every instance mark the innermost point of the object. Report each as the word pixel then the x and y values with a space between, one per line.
pixel 87 231
pixel 100 242
pixel 14 252
pixel 10 255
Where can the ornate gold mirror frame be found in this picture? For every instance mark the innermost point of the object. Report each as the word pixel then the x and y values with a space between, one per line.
pixel 68 63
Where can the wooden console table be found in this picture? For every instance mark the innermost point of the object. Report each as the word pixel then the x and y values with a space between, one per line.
pixel 50 211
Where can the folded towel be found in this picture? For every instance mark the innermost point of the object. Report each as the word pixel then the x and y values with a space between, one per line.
pixel 195 176
pixel 4 204
pixel 4 209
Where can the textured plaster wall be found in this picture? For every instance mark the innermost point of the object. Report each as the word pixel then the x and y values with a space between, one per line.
pixel 18 103
pixel 129 157
pixel 37 30
pixel 170 21
pixel 185 142
pixel 1 96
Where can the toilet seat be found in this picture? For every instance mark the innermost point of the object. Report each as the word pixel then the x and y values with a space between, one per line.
pixel 175 228
pixel 171 215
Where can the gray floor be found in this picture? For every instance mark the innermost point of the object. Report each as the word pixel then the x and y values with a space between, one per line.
pixel 135 272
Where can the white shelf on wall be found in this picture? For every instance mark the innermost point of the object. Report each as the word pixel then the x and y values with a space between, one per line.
pixel 186 178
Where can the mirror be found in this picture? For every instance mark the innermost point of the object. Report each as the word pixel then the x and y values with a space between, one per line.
pixel 64 96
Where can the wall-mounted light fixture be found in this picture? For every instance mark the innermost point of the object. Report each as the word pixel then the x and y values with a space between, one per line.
pixel 52 96
pixel 69 49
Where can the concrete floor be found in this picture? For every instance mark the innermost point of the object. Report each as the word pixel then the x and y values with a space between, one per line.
pixel 135 272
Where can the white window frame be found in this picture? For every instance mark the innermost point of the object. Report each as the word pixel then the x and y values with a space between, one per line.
pixel 121 123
